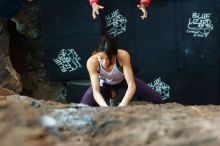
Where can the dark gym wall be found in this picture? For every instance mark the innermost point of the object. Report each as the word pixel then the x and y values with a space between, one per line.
pixel 156 38
pixel 70 35
pixel 175 50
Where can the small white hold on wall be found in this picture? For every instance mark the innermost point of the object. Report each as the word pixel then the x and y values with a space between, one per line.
pixel 200 25
pixel 68 60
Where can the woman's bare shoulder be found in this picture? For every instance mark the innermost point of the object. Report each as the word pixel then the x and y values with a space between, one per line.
pixel 92 59
pixel 123 57
pixel 123 53
pixel 92 62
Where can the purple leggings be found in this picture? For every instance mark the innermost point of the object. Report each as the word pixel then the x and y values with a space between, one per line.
pixel 146 92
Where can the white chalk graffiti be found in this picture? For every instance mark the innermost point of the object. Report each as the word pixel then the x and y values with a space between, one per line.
pixel 116 22
pixel 200 24
pixel 161 87
pixel 68 60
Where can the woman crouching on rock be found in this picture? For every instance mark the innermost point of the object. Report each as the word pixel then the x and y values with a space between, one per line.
pixel 109 70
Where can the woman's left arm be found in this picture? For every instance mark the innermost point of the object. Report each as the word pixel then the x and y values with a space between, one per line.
pixel 129 77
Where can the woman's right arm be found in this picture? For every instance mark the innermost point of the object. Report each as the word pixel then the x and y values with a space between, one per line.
pixel 92 67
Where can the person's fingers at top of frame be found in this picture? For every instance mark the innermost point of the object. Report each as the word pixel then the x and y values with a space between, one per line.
pixel 93 14
pixel 143 9
pixel 101 7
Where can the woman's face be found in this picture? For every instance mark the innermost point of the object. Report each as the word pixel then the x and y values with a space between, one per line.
pixel 103 59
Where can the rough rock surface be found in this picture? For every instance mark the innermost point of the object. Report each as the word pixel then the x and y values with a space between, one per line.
pixel 9 78
pixel 29 122
pixel 22 66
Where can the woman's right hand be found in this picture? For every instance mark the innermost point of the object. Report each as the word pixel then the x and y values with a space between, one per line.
pixel 95 9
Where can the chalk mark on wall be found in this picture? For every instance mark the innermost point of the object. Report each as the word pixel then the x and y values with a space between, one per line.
pixel 200 25
pixel 68 60
pixel 116 22
pixel 161 87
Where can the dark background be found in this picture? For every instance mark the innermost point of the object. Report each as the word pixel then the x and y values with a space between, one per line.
pixel 159 45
